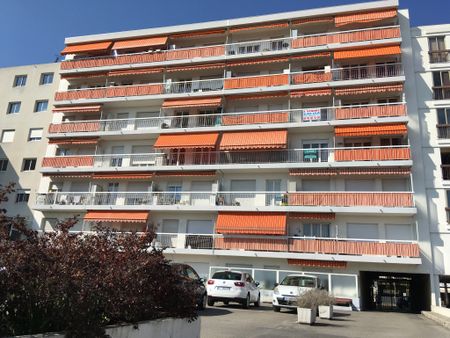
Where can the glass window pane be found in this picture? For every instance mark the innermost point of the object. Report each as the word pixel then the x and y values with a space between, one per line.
pixel 307 230
pixel 344 286
pixel 437 79
pixel 266 278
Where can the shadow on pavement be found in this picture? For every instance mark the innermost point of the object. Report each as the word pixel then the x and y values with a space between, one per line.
pixel 213 311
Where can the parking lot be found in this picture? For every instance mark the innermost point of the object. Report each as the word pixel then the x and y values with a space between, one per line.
pixel 232 321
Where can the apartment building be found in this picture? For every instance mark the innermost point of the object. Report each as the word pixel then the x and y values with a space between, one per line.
pixel 273 144
pixel 432 69
pixel 25 112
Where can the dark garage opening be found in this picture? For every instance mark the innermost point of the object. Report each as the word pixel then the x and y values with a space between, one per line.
pixel 398 292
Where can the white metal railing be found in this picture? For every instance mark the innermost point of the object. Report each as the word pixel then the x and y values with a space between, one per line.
pixel 294 78
pixel 247 47
pixel 314 154
pixel 302 115
pixel 190 198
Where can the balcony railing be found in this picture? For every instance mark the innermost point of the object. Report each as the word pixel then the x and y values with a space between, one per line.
pixel 239 48
pixel 443 130
pixel 201 158
pixel 215 85
pixel 302 116
pixel 439 56
pixel 441 92
pixel 227 198
pixel 337 246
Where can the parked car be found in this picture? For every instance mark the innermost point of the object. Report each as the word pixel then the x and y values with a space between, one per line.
pixel 191 279
pixel 233 286
pixel 285 294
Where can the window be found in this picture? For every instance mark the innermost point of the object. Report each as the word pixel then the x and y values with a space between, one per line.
pixel 388 100
pixel 316 230
pixel 35 134
pixel 443 116
pixel 29 164
pixel 437 49
pixel 13 108
pixel 22 196
pixel 315 151
pixel 46 78
pixel 20 81
pixel 441 85
pixel 391 141
pixel 352 72
pixel 8 135
pixel 357 143
pixel 40 105
pixel 3 164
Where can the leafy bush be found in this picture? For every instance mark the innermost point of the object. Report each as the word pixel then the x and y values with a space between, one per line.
pixel 313 298
pixel 79 283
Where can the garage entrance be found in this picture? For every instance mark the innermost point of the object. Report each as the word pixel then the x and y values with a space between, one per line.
pixel 398 292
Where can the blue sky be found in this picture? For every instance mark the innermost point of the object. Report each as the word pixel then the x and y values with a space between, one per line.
pixel 34 30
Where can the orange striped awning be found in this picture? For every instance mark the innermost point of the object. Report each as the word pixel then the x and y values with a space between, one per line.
pixel 197 34
pixel 251 223
pixel 311 56
pixel 317 263
pixel 117 216
pixel 257 61
pixel 396 88
pixel 350 171
pixel 122 176
pixel 187 140
pixel 258 96
pixel 314 20
pixel 83 76
pixel 95 47
pixel 368 130
pixel 272 139
pixel 140 43
pixel 193 103
pixel 141 71
pixel 311 92
pixel 262 26
pixel 78 109
pixel 325 216
pixel 347 19
pixel 367 52
pixel 196 67
pixel 74 141
pixel 67 175
pixel 185 173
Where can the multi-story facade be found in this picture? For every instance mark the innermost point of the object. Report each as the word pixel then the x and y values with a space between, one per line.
pixel 26 99
pixel 431 45
pixel 272 144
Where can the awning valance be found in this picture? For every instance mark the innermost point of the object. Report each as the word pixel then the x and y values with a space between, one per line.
pixel 311 56
pixel 185 173
pixel 326 216
pixel 117 216
pixel 311 92
pixel 142 71
pixel 251 223
pixel 196 67
pixel 197 34
pixel 257 96
pixel 317 263
pixel 369 130
pixel 347 19
pixel 193 103
pixel 316 20
pixel 95 47
pixel 187 140
pixel 78 109
pixel 271 139
pixel 257 62
pixel 74 141
pixel 350 171
pixel 140 43
pixel 395 88
pixel 122 176
pixel 367 52
pixel 262 26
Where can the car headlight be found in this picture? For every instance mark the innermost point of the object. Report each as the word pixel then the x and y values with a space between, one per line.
pixel 276 291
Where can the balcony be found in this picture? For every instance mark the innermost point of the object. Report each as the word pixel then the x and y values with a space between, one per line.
pixel 439 56
pixel 224 158
pixel 225 84
pixel 245 200
pixel 285 244
pixel 368 111
pixel 249 48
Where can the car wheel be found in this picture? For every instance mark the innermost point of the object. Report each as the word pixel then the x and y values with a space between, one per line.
pixel 202 304
pixel 258 301
pixel 276 308
pixel 210 301
pixel 246 302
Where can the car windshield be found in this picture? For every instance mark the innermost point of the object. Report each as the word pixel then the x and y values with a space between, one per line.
pixel 307 282
pixel 228 275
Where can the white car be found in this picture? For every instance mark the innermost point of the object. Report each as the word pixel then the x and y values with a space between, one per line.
pixel 285 294
pixel 233 286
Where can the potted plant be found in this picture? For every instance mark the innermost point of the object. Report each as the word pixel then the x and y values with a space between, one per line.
pixel 325 302
pixel 307 307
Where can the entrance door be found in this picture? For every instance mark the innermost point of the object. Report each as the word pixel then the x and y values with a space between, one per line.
pixel 315 151
pixel 113 188
pixel 392 293
pixel 273 198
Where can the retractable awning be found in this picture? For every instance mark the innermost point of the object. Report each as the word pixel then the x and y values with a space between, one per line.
pixel 117 216
pixel 271 139
pixel 367 52
pixel 264 223
pixel 140 43
pixel 347 19
pixel 95 47
pixel 193 103
pixel 187 140
pixel 369 130
pixel 78 109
